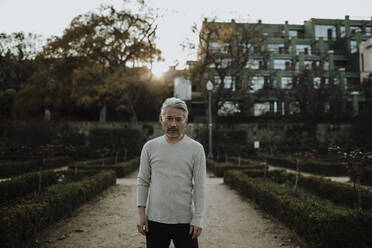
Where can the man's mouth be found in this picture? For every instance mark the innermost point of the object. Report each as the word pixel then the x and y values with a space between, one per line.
pixel 172 130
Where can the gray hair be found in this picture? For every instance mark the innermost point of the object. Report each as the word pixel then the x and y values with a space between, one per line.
pixel 174 103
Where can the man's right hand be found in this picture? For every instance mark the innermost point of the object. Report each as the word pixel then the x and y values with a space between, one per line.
pixel 143 224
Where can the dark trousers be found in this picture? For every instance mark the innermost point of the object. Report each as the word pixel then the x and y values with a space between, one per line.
pixel 160 235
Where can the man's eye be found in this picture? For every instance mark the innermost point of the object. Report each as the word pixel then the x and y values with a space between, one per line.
pixel 178 119
pixel 169 118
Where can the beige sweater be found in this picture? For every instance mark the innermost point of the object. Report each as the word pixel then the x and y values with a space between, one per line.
pixel 171 181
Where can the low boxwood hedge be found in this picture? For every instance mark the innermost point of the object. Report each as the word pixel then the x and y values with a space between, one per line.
pixel 319 226
pixel 14 168
pixel 21 222
pixel 122 169
pixel 219 168
pixel 338 193
pixel 311 166
pixel 25 184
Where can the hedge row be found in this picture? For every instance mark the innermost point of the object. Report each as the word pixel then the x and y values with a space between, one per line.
pixel 320 167
pixel 14 168
pixel 338 193
pixel 108 160
pixel 20 223
pixel 219 168
pixel 319 226
pixel 122 169
pixel 25 184
pixel 116 138
pixel 311 166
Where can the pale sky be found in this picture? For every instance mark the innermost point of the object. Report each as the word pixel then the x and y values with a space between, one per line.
pixel 51 17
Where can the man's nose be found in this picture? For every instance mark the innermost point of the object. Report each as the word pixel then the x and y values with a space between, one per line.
pixel 173 122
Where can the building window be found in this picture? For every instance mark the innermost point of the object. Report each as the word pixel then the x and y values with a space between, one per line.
pixel 286 83
pixel 353 46
pixel 306 49
pixel 257 83
pixel 218 47
pixel 253 64
pixel 281 64
pixel 368 31
pixel 275 48
pixel 292 33
pixel 328 32
pixel 308 64
pixel 261 108
pixel 355 29
pixel 317 81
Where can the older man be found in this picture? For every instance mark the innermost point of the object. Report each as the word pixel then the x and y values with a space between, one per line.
pixel 171 183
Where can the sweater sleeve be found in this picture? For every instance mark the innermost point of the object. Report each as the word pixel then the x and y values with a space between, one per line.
pixel 143 178
pixel 199 174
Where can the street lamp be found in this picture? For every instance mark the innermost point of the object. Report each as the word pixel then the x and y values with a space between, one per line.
pixel 209 89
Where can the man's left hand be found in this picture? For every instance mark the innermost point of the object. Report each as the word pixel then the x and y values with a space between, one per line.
pixel 195 231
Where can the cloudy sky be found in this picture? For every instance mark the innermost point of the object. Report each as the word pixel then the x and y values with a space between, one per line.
pixel 51 17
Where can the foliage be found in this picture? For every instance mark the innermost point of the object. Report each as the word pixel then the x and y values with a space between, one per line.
pixel 316 99
pixel 21 222
pixel 219 168
pixel 116 139
pixel 338 193
pixel 320 226
pixel 310 165
pixel 13 168
pixel 225 51
pixel 106 44
pixel 25 184
pixel 17 52
pixel 7 97
pixel 121 169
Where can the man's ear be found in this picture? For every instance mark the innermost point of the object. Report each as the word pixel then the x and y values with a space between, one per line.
pixel 187 120
pixel 160 118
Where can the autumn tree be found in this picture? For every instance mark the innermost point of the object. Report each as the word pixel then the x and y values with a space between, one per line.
pixel 105 43
pixel 225 52
pixel 17 52
pixel 316 96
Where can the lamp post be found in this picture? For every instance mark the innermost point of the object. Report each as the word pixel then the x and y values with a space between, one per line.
pixel 209 89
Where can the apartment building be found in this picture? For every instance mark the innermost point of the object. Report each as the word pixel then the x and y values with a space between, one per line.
pixel 333 46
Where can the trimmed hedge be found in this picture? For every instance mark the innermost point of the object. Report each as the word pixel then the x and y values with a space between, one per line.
pixel 21 222
pixel 25 184
pixel 122 169
pixel 319 226
pixel 311 166
pixel 219 168
pixel 338 193
pixel 14 168
pixel 114 138
pixel 320 167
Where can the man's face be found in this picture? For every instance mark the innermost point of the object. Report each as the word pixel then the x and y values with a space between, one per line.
pixel 173 123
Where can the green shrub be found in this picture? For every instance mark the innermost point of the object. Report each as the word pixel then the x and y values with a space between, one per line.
pixel 122 169
pixel 219 168
pixel 338 193
pixel 116 139
pixel 311 166
pixel 25 184
pixel 20 223
pixel 13 168
pixel 319 226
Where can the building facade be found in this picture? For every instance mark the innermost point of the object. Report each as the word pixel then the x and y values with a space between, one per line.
pixel 334 47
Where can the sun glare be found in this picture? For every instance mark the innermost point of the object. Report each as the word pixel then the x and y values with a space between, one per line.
pixel 158 69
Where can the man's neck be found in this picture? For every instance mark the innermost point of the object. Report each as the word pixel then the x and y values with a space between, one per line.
pixel 174 140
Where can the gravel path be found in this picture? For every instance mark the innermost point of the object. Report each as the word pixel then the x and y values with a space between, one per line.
pixel 109 221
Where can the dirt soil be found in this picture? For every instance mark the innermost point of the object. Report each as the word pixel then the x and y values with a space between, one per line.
pixel 109 221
